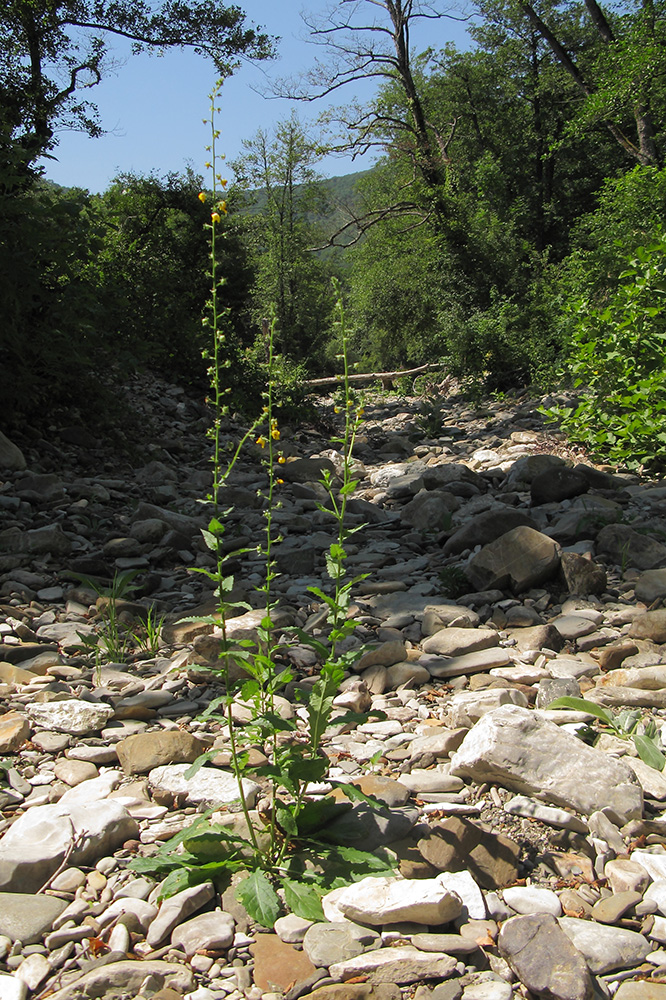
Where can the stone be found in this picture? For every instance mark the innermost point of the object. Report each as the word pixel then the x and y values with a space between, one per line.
pixel 641 990
pixel 628 547
pixel 386 900
pixel 175 909
pixel 14 731
pixel 359 991
pixel 456 844
pixel 291 929
pixel 459 641
pixel 141 753
pixel 326 944
pixel 583 576
pixel 520 805
pixel 277 965
pixel 467 663
pixel 626 875
pixel 486 527
pixel 613 908
pixel 207 931
pixel 35 845
pixel 467 707
pixel 395 965
pixel 33 970
pixel 464 885
pixel 531 899
pixel 512 747
pixel 555 485
pixel 544 959
pixel 372 827
pixel 28 918
pixel 651 625
pixel 11 456
pixel 75 717
pixel 120 979
pixel 12 988
pixel 520 559
pixel 605 948
pixel 209 786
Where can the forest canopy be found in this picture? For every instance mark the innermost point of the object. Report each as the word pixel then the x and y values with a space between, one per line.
pixel 515 185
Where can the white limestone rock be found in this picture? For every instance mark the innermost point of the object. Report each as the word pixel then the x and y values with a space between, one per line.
pixel 513 747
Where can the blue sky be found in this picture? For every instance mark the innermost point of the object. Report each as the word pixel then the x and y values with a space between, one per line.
pixel 152 106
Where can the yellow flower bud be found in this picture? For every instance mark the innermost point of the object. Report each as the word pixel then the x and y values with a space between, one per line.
pixel 216 217
pixel 202 196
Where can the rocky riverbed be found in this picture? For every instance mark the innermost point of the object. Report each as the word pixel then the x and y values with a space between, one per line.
pixel 502 573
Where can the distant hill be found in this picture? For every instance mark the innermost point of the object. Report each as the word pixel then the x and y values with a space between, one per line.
pixel 338 193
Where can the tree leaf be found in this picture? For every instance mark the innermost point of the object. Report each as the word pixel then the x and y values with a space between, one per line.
pixel 259 899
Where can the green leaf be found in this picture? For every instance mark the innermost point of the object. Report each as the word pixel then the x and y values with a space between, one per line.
pixel 649 753
pixel 176 881
pixel 286 819
pixel 583 705
pixel 316 814
pixel 303 900
pixel 259 899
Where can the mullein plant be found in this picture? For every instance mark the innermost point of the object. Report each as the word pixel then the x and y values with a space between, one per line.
pixel 286 861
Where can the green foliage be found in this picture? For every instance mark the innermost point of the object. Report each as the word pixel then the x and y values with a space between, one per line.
pixel 623 725
pixel 618 360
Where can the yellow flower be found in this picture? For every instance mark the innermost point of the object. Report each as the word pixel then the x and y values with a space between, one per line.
pixel 280 482
pixel 216 217
pixel 281 460
pixel 224 183
pixel 222 205
pixel 262 441
pixel 209 166
pixel 202 196
pixel 361 411
pixel 275 434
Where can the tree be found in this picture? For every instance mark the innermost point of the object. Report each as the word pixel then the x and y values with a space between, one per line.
pixel 53 51
pixel 289 278
pixel 621 82
pixel 370 40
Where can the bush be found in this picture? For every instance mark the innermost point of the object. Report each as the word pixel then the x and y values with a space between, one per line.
pixel 618 359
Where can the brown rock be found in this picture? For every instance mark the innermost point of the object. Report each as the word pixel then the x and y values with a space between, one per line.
pixel 142 752
pixel 459 845
pixel 14 731
pixel 356 991
pixel 521 559
pixel 611 657
pixel 544 959
pixel 582 576
pixel 277 965
pixel 651 625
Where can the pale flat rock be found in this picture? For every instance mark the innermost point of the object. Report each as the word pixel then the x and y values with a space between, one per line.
pixel 531 899
pixel 395 965
pixel 654 864
pixel 464 885
pixel 35 845
pixel 176 909
pixel 92 790
pixel 12 988
pixel 453 641
pixel 207 932
pixel 650 678
pixel 511 747
pixel 468 663
pixel 70 716
pixel 625 875
pixel 432 780
pixel 573 626
pixel 605 948
pixel 120 979
pixel 209 786
pixel 386 900
pixel 521 805
pixel 33 970
pixel 141 753
pixel 652 782
pixel 327 944
pixel 467 707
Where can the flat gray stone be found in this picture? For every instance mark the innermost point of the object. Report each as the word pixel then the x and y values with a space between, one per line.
pixel 327 944
pixel 385 900
pixel 454 641
pixel 28 918
pixel 208 787
pixel 395 965
pixel 120 979
pixel 512 747
pixel 605 948
pixel 207 932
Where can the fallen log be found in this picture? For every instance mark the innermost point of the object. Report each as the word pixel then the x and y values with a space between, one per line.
pixel 334 380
